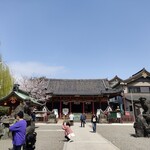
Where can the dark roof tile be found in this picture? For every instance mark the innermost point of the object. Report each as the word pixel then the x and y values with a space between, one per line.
pixel 77 87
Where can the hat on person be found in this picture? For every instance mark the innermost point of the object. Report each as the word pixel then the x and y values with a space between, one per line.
pixel 20 114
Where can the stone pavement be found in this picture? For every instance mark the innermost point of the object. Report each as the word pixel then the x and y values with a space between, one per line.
pixel 85 139
pixel 51 137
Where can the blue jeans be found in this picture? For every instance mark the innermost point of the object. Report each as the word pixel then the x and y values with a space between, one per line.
pixel 17 147
pixel 82 123
pixel 94 126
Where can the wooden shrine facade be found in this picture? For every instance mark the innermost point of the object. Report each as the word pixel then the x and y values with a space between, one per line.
pixel 80 104
pixel 79 96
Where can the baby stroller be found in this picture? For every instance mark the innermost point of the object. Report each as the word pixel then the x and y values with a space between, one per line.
pixel 30 141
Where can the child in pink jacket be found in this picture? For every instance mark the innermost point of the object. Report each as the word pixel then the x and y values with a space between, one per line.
pixel 68 132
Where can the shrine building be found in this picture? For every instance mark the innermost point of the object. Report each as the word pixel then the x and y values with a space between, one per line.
pixel 79 96
pixel 16 97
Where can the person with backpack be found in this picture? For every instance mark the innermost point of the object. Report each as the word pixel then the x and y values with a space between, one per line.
pixel 94 121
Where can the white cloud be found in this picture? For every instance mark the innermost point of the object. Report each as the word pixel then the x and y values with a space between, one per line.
pixel 34 69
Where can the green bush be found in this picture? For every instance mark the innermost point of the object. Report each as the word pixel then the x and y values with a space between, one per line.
pixel 4 110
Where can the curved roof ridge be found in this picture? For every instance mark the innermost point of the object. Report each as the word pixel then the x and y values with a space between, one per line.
pixel 143 72
pixel 116 77
pixel 76 79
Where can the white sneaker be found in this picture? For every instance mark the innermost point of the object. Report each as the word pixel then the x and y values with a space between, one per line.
pixel 70 141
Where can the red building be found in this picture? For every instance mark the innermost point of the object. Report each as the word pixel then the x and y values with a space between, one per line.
pixel 79 96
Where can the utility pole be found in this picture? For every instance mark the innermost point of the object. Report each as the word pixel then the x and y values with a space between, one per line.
pixel 132 105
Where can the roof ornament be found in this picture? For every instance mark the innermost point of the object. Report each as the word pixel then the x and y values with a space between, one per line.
pixel 16 87
pixel 144 74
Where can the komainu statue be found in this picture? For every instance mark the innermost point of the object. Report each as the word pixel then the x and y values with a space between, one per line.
pixel 142 122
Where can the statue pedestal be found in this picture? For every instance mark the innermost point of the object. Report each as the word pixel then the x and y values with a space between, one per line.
pixel 52 118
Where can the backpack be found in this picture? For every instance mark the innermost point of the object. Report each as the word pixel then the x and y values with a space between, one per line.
pixel 94 119
pixel 30 141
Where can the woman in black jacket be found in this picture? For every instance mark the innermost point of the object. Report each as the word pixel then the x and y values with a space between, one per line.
pixel 94 121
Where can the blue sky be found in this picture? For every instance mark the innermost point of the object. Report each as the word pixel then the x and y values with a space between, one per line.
pixel 75 39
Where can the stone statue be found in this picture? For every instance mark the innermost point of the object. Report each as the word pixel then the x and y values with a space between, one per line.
pixel 7 120
pixel 145 105
pixel 142 122
pixel 52 117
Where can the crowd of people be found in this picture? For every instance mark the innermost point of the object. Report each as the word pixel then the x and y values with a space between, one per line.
pixel 94 120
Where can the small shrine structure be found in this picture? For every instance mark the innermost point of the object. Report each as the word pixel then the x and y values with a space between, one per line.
pixel 16 97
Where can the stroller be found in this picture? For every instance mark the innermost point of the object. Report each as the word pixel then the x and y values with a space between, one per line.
pixel 30 141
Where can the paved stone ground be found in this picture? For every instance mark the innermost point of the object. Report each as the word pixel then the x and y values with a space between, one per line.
pixel 123 137
pixel 49 137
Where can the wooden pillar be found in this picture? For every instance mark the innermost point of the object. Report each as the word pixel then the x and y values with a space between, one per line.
pixel 83 107
pixel 124 102
pixel 93 108
pixel 70 107
pixel 60 109
pixel 99 103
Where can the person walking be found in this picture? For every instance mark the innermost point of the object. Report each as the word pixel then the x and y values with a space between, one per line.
pixel 18 131
pixel 83 120
pixel 118 115
pixel 68 131
pixel 94 121
pixel 71 118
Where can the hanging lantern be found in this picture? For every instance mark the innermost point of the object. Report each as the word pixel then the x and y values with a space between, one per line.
pixel 13 100
pixel 5 103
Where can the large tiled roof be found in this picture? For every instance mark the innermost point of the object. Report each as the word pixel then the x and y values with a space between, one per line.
pixel 78 87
